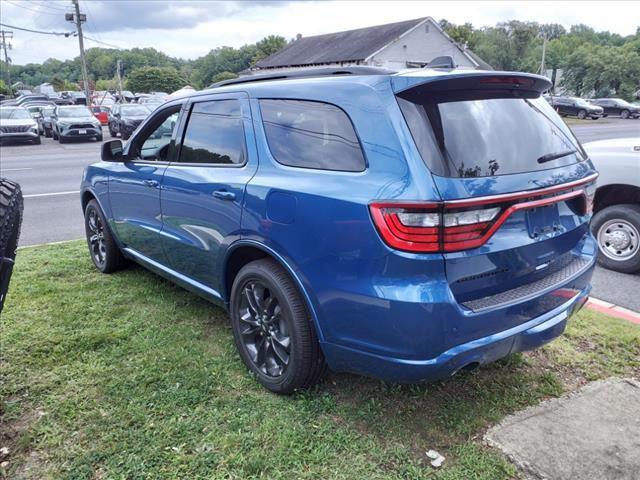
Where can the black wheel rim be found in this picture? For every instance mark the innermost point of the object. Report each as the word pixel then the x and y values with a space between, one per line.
pixel 96 238
pixel 263 329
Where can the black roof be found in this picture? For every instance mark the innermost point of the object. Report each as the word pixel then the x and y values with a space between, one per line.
pixel 351 45
pixel 305 73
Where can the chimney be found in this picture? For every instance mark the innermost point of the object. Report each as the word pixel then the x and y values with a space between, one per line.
pixel 298 36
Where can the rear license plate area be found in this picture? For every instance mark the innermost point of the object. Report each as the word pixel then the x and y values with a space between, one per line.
pixel 543 222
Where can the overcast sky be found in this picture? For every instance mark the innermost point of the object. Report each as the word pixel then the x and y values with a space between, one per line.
pixel 189 29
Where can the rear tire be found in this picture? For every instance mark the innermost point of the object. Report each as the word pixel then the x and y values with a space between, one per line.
pixel 47 133
pixel 273 330
pixel 54 134
pixel 617 231
pixel 103 250
pixel 11 208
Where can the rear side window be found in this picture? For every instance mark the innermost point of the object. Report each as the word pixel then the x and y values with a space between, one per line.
pixel 311 135
pixel 482 137
pixel 214 134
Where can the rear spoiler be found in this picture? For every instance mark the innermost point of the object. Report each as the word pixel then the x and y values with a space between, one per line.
pixel 465 81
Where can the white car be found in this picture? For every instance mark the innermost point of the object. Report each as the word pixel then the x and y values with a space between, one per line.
pixel 616 220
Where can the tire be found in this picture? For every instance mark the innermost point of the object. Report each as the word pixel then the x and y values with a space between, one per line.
pixel 54 134
pixel 617 232
pixel 47 133
pixel 605 116
pixel 288 320
pixel 62 139
pixel 37 141
pixel 11 208
pixel 103 250
pixel 582 114
pixel 124 135
pixel 111 132
pixel 99 138
pixel 624 114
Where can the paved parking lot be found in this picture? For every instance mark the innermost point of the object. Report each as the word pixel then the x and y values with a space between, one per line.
pixel 50 177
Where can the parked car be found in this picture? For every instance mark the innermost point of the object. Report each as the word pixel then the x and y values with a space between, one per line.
pixel 125 118
pixel 79 98
pixel 616 220
pixel 44 121
pixel 31 98
pixel 577 107
pixel 74 122
pixel 401 226
pixel 101 112
pixel 17 124
pixel 617 107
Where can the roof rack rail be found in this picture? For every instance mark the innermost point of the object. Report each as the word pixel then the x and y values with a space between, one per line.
pixel 304 73
pixel 444 61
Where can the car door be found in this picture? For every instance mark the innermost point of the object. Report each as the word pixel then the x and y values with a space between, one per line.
pixel 203 188
pixel 134 185
pixel 113 114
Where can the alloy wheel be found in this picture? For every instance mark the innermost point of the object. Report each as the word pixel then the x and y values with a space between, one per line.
pixel 96 238
pixel 263 329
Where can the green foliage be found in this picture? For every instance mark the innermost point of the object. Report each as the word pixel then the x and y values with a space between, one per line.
pixel 4 89
pixel 219 77
pixel 106 84
pixel 592 63
pixel 158 79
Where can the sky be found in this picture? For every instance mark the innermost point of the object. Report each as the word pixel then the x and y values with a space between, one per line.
pixel 190 29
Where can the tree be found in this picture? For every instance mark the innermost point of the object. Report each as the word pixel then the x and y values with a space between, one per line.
pixel 4 89
pixel 463 34
pixel 219 77
pixel 155 79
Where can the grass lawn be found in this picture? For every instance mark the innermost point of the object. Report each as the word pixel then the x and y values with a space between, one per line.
pixel 128 376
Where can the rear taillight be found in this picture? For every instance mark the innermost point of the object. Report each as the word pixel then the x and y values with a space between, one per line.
pixel 463 224
pixel 430 228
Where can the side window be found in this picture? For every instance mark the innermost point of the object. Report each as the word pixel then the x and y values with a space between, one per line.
pixel 311 135
pixel 153 143
pixel 214 134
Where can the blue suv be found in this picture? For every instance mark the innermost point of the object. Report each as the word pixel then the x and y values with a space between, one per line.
pixel 403 226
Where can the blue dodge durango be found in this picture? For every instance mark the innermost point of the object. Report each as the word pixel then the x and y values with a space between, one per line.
pixel 403 226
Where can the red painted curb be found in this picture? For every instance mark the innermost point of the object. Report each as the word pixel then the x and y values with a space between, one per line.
pixel 614 311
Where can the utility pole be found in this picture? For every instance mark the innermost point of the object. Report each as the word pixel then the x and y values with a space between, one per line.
pixel 6 35
pixel 544 54
pixel 78 18
pixel 119 81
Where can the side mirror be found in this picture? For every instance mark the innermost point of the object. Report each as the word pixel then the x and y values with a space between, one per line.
pixel 112 151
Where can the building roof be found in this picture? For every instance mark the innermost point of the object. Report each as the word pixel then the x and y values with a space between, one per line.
pixel 351 45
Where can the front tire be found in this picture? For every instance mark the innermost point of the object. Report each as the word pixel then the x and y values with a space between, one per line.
pixel 273 330
pixel 582 114
pixel 624 114
pixel 617 231
pixel 37 141
pixel 54 134
pixel 11 208
pixel 104 251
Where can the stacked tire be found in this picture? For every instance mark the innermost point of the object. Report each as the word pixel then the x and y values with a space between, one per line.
pixel 11 208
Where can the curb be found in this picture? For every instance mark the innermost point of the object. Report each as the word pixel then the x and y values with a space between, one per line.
pixel 613 310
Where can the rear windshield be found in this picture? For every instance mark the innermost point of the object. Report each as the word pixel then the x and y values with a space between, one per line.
pixel 482 137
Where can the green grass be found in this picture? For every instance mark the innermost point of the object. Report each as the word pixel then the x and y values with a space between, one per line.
pixel 128 376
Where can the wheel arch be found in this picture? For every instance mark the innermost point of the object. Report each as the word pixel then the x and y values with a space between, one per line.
pixel 614 194
pixel 244 251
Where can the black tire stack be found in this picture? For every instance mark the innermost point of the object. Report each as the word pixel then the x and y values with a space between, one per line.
pixel 11 208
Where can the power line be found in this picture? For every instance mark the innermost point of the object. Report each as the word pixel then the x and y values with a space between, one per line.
pixel 50 6
pixel 30 9
pixel 103 43
pixel 66 34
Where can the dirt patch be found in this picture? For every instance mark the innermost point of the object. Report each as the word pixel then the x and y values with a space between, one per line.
pixel 15 458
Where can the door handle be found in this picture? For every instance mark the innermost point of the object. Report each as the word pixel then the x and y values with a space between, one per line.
pixel 150 183
pixel 224 195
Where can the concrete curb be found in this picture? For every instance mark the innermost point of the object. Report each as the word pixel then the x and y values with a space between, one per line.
pixel 613 310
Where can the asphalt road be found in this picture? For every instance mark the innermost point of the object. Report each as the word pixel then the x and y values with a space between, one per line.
pixel 50 177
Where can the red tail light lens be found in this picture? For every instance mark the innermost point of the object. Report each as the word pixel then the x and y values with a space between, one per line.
pixel 463 224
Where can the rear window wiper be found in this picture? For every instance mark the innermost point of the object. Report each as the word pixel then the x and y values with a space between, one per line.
pixel 554 156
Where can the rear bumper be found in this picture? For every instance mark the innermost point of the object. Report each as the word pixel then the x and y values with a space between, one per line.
pixel 527 336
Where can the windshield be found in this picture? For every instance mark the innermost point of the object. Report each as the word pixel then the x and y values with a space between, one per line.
pixel 14 113
pixel 74 112
pixel 489 136
pixel 134 110
pixel 581 103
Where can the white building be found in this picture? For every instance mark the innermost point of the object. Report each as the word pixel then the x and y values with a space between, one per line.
pixel 396 46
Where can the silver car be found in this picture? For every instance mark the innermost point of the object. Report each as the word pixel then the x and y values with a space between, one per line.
pixel 75 121
pixel 17 124
pixel 616 219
